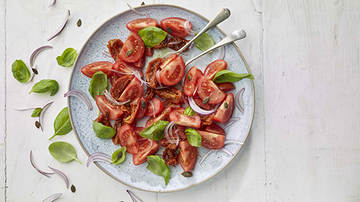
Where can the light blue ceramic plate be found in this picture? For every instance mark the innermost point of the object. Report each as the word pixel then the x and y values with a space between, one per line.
pixel 138 176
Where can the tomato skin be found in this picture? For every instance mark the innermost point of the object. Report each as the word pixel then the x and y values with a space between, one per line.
pixel 170 94
pixel 214 68
pixel 199 103
pixel 120 85
pixel 140 63
pixel 106 107
pixel 211 140
pixel 149 51
pixel 223 114
pixel 190 81
pixel 176 25
pixel 138 24
pixel 164 115
pixel 142 110
pixel 90 69
pixel 144 151
pixel 173 72
pixel 167 103
pixel 133 48
pixel 213 128
pixel 181 119
pixel 226 86
pixel 132 91
pixel 187 156
pixel 154 103
pixel 207 88
pixel 128 139
pixel 115 46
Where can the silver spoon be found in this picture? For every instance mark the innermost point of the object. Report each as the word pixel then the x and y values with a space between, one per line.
pixel 222 15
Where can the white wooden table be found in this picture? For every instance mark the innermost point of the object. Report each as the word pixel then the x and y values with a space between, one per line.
pixel 303 145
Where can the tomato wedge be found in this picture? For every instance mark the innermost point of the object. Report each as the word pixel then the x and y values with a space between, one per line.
pixel 180 118
pixel 199 103
pixel 226 86
pixel 211 140
pixel 213 128
pixel 132 91
pixel 128 139
pixel 133 48
pixel 164 115
pixel 138 24
pixel 225 110
pixel 113 112
pixel 154 107
pixel 142 108
pixel 147 147
pixel 190 81
pixel 187 156
pixel 90 69
pixel 175 26
pixel 214 68
pixel 173 72
pixel 209 90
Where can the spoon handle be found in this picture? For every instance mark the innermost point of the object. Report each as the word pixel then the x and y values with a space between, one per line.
pixel 236 35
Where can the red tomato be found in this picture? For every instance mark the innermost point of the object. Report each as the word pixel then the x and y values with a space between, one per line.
pixel 138 24
pixel 167 103
pixel 187 156
pixel 149 51
pixel 180 118
pixel 142 110
pixel 211 140
pixel 173 72
pixel 106 107
pixel 137 131
pixel 225 110
pixel 90 69
pixel 154 104
pixel 128 139
pixel 199 103
pixel 226 86
pixel 164 115
pixel 175 26
pixel 214 68
pixel 207 88
pixel 213 128
pixel 132 91
pixel 133 48
pixel 121 66
pixel 140 63
pixel 147 147
pixel 190 80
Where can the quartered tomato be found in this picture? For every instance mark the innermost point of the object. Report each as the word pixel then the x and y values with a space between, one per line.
pixel 214 68
pixel 170 94
pixel 199 103
pixel 133 48
pixel 147 147
pixel 164 115
pixel 213 128
pixel 106 107
pixel 190 81
pixel 225 110
pixel 209 90
pixel 122 67
pixel 140 63
pixel 226 86
pixel 176 43
pixel 211 140
pixel 115 46
pixel 151 70
pixel 167 103
pixel 133 91
pixel 173 72
pixel 128 139
pixel 180 118
pixel 149 51
pixel 175 26
pixel 187 156
pixel 154 106
pixel 138 24
pixel 142 108
pixel 90 69
pixel 119 86
pixel 135 106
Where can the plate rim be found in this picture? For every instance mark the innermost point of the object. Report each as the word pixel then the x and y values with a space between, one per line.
pixel 192 185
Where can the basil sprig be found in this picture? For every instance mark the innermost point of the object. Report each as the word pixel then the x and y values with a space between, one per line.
pixel 102 131
pixel 67 58
pixel 46 85
pixel 229 76
pixel 119 155
pixel 155 131
pixel 204 42
pixel 63 152
pixel 36 112
pixel 98 84
pixel 158 167
pixel 193 137
pixel 20 71
pixel 62 125
pixel 152 36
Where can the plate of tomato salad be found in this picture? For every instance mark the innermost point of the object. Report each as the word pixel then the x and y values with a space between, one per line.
pixel 162 103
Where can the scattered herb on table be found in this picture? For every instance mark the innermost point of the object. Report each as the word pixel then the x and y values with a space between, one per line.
pixel 63 152
pixel 36 112
pixel 62 125
pixel 67 58
pixel 46 85
pixel 157 166
pixel 20 71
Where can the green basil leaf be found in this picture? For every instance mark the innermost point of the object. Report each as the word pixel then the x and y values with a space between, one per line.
pixel 63 152
pixel 158 167
pixel 102 131
pixel 152 36
pixel 155 131
pixel 36 112
pixel 229 76
pixel 67 58
pixel 204 42
pixel 20 71
pixel 119 155
pixel 193 137
pixel 98 84
pixel 188 111
pixel 62 125
pixel 46 85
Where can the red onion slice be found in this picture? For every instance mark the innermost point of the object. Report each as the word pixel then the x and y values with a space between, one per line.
pixel 52 197
pixel 112 100
pixel 239 102
pixel 46 174
pixel 187 27
pixel 119 72
pixel 32 76
pixel 206 155
pixel 137 12
pixel 62 175
pixel 151 142
pixel 231 121
pixel 168 133
pixel 132 196
pixel 174 42
pixel 42 113
pixel 198 110
pixel 25 109
pixel 81 96
pixel 153 106
pixel 107 54
pixel 51 3
pixel 229 153
pixel 233 141
pixel 61 27
pixel 36 52
pixel 98 156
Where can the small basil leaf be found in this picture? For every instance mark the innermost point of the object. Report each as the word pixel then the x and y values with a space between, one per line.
pixel 102 131
pixel 20 71
pixel 36 112
pixel 158 167
pixel 63 152
pixel 62 125
pixel 189 112
pixel 193 137
pixel 46 85
pixel 155 131
pixel 98 84
pixel 67 58
pixel 152 36
pixel 119 155
pixel 229 76
pixel 204 42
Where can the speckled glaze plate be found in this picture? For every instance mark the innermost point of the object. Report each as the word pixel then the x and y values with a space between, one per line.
pixel 138 176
